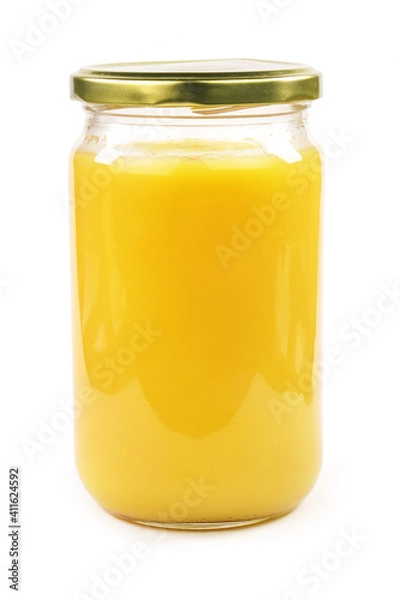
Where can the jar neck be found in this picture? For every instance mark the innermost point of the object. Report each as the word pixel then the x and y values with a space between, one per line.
pixel 295 113
pixel 272 127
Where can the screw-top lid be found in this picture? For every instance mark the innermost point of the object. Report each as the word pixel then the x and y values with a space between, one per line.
pixel 191 83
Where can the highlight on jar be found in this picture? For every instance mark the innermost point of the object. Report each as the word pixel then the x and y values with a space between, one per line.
pixel 195 245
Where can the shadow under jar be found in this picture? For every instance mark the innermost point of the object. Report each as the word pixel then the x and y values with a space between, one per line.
pixel 195 260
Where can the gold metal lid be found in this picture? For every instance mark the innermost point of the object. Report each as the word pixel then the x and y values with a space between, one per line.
pixel 196 83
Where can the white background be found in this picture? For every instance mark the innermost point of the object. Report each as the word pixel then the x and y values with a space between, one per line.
pixel 66 539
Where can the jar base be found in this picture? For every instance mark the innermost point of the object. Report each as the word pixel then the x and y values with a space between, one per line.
pixel 202 526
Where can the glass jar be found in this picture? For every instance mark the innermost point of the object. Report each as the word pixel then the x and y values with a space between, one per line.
pixel 195 251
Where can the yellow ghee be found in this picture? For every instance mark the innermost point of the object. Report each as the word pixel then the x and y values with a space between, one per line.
pixel 195 331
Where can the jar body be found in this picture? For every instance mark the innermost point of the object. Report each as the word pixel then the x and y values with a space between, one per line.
pixel 195 250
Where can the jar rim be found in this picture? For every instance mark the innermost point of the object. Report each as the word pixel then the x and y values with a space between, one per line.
pixel 196 83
